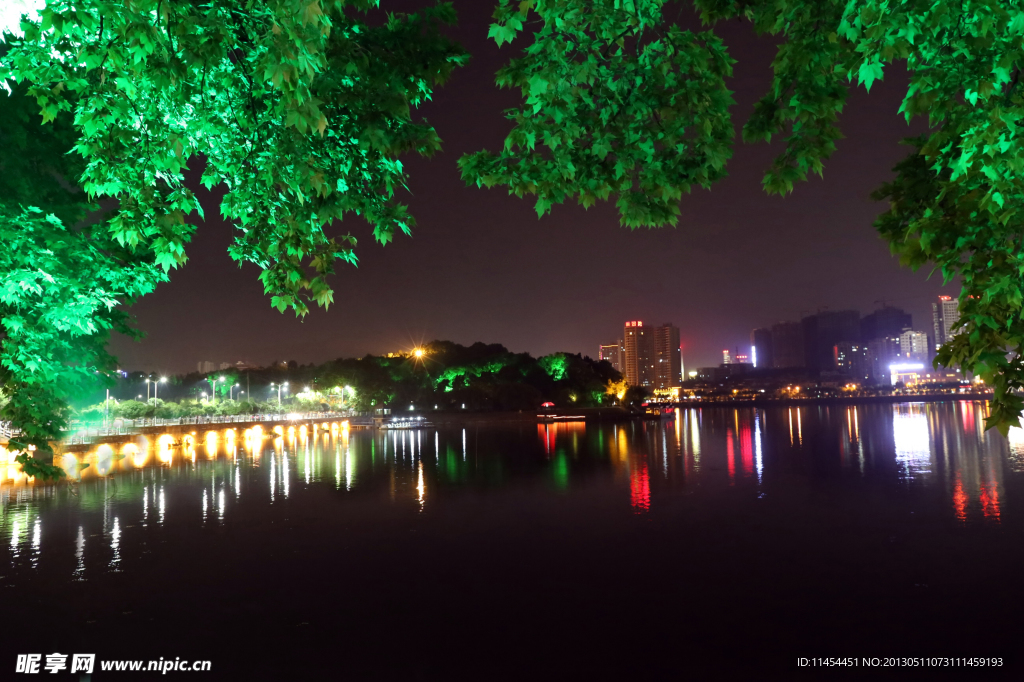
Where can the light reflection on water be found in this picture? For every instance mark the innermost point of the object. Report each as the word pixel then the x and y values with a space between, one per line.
pixel 124 491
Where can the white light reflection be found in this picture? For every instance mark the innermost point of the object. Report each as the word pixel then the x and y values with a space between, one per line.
pixel 463 445
pixel 79 572
pixel 220 505
pixel 664 451
pixel 337 467
pixel 695 436
pixel 273 477
pixel 913 441
pixel 205 504
pixel 161 506
pixel 757 444
pixel 115 545
pixel 284 474
pixel 349 466
pixel 15 537
pixel 37 531
pixel 1016 458
pixel 420 487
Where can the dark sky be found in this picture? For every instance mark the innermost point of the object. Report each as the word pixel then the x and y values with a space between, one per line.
pixel 480 266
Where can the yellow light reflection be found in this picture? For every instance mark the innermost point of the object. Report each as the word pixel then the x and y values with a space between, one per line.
pixel 138 456
pixel 164 453
pixel 188 446
pixel 211 444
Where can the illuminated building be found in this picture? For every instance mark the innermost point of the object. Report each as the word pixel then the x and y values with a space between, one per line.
pixel 945 314
pixel 823 331
pixel 906 373
pixel 886 321
pixel 914 346
pixel 671 394
pixel 761 348
pixel 668 362
pixel 638 354
pixel 883 352
pixel 851 359
pixel 726 357
pixel 205 367
pixel 787 345
pixel 612 352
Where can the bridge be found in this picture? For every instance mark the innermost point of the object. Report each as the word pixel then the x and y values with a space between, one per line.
pixel 120 429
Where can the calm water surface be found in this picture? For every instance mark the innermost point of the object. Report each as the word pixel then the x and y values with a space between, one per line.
pixel 723 542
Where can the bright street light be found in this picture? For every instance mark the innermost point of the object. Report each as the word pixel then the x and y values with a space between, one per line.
pixel 156 385
pixel 279 387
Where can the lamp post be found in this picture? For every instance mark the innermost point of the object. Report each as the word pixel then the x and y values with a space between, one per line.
pixel 213 387
pixel 156 385
pixel 231 392
pixel 279 387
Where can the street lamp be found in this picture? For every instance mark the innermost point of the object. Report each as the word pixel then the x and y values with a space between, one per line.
pixel 213 387
pixel 231 392
pixel 279 386
pixel 156 385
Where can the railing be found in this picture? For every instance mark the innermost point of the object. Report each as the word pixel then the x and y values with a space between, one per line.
pixel 126 427
pixel 6 432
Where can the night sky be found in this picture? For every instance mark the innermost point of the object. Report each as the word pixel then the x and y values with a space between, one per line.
pixel 480 266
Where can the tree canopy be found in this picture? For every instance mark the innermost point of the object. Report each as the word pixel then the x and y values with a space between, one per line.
pixel 302 108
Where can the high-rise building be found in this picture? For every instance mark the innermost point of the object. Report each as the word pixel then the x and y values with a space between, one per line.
pixel 668 362
pixel 823 331
pixel 945 314
pixel 761 348
pixel 914 346
pixel 205 367
pixel 612 352
pixel 883 352
pixel 886 321
pixel 638 353
pixel 787 345
pixel 852 360
pixel 726 357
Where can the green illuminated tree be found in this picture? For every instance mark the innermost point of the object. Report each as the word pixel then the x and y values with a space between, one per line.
pixel 300 109
pixel 619 103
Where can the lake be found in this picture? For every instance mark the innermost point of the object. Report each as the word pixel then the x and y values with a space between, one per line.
pixel 719 544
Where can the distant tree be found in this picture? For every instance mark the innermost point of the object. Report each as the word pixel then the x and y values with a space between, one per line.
pixel 634 396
